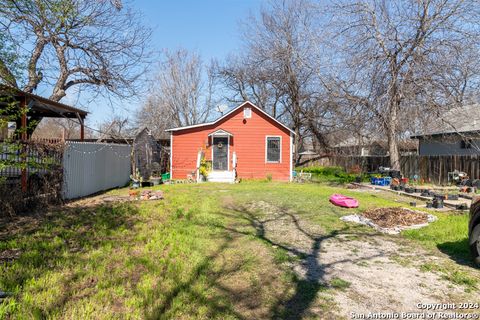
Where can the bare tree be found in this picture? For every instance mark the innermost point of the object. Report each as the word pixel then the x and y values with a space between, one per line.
pixel 59 128
pixel 399 58
pixel 183 93
pixel 244 81
pixel 117 127
pixel 279 68
pixel 99 45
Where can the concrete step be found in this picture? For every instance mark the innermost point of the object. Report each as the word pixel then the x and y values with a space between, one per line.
pixel 221 176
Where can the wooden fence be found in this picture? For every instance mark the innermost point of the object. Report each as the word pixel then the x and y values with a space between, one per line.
pixel 432 169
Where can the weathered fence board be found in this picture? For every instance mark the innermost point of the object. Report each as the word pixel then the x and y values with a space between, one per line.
pixel 93 167
pixel 433 169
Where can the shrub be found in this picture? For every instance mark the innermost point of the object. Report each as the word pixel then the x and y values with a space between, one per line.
pixel 205 167
pixel 333 174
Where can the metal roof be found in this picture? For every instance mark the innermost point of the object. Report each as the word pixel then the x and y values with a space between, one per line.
pixel 457 120
pixel 43 106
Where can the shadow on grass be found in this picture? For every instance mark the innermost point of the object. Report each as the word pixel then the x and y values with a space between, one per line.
pixel 296 305
pixel 55 241
pixel 217 305
pixel 458 251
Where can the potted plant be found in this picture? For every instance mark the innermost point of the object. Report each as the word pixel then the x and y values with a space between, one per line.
pixel 205 168
pixel 452 195
pixel 409 189
pixel 155 180
pixel 425 193
pixel 137 179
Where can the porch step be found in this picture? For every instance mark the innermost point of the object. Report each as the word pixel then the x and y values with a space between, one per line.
pixel 221 176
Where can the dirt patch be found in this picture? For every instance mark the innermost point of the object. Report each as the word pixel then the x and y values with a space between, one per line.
pixel 384 276
pixel 99 200
pixel 363 273
pixel 394 217
pixel 9 255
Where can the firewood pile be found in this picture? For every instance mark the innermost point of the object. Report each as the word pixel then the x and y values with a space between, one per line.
pixel 393 217
pixel 146 194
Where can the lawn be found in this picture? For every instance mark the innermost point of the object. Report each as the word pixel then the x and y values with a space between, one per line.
pixel 195 254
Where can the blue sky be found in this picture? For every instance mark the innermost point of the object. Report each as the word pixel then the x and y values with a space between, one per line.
pixel 210 27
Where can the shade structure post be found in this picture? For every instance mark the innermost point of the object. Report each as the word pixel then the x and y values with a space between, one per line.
pixel 23 111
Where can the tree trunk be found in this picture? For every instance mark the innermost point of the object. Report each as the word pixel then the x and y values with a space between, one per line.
pixel 392 135
pixel 393 150
pixel 297 145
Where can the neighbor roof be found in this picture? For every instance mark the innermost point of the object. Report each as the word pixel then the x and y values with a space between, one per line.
pixel 366 142
pixel 457 120
pixel 226 115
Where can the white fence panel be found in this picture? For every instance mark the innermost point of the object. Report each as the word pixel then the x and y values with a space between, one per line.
pixel 93 167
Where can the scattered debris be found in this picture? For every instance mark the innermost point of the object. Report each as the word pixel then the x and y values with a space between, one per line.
pixel 146 194
pixel 114 199
pixel 392 220
pixel 352 186
pixel 9 255
pixel 4 295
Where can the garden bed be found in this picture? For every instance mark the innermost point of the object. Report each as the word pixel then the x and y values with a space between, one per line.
pixel 395 217
pixel 392 220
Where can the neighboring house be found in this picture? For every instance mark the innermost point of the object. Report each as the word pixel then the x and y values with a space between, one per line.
pixel 244 143
pixel 365 147
pixel 457 132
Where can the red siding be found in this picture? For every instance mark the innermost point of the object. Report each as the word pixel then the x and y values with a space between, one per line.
pixel 248 141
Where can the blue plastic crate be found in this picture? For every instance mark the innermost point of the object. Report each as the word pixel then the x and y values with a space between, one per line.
pixel 385 181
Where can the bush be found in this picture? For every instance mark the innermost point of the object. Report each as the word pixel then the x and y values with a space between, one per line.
pixel 323 171
pixel 333 174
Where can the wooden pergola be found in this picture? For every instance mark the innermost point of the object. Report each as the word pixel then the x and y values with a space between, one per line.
pixel 38 108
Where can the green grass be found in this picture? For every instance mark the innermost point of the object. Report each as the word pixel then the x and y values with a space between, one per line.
pixel 452 274
pixel 339 284
pixel 449 234
pixel 194 255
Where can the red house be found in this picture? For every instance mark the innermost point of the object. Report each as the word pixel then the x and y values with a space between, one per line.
pixel 244 143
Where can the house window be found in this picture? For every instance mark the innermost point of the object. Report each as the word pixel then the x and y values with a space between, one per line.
pixel 247 113
pixel 466 144
pixel 274 146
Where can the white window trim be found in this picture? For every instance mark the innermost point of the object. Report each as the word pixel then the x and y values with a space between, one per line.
pixel 228 149
pixel 266 149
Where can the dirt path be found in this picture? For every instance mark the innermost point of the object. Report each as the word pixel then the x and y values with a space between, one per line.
pixel 372 273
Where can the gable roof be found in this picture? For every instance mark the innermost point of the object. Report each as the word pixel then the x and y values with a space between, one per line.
pixel 457 120
pixel 220 132
pixel 226 115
